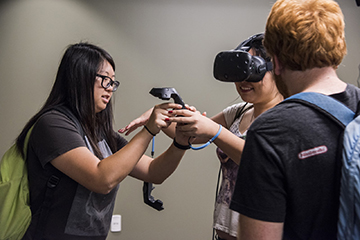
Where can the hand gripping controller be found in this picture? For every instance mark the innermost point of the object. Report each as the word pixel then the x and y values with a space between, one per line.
pixel 164 94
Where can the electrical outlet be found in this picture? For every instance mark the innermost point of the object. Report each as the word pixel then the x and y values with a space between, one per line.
pixel 116 223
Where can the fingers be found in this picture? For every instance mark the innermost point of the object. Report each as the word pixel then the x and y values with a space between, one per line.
pixel 160 116
pixel 193 123
pixel 144 118
pixel 183 116
pixel 191 108
pixel 129 129
pixel 122 130
pixel 170 105
pixel 133 126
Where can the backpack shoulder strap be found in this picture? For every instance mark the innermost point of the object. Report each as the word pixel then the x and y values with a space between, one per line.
pixel 328 105
pixel 349 211
pixel 53 179
pixel 241 111
pixel 26 141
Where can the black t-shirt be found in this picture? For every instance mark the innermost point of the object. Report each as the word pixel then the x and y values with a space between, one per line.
pixel 290 169
pixel 75 212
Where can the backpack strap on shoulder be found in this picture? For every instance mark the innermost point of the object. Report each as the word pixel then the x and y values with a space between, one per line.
pixel 53 179
pixel 349 207
pixel 26 141
pixel 241 111
pixel 326 104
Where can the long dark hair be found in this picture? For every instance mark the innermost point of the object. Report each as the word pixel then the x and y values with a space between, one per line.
pixel 74 88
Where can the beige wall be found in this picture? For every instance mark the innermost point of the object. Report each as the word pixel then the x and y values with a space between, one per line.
pixel 155 43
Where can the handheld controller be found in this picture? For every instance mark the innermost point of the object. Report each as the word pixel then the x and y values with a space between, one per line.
pixel 150 200
pixel 164 94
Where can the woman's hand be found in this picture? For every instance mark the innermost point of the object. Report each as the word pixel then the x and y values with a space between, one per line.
pixel 159 118
pixel 194 124
pixel 144 118
pixel 138 122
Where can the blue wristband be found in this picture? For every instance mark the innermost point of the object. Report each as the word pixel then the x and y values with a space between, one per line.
pixel 208 143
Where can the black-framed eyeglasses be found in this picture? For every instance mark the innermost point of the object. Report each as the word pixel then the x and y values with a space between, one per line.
pixel 106 82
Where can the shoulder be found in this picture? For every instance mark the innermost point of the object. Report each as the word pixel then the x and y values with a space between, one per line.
pixel 231 111
pixel 278 112
pixel 350 97
pixel 235 107
pixel 352 89
pixel 54 119
pixel 53 126
pixel 282 117
pixel 54 134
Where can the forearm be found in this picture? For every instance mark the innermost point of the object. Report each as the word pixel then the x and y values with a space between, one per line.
pixel 170 130
pixel 125 159
pixel 230 144
pixel 102 176
pixel 165 164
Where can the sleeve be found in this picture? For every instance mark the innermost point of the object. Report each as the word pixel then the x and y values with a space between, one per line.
pixel 120 141
pixel 230 113
pixel 53 135
pixel 260 188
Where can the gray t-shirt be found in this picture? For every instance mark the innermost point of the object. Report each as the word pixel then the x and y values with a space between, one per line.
pixel 75 212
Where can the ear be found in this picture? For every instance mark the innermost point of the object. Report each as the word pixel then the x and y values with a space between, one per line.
pixel 277 65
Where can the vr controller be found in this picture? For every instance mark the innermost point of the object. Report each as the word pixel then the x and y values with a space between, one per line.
pixel 150 200
pixel 164 94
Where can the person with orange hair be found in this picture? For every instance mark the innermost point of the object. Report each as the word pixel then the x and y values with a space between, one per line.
pixel 288 181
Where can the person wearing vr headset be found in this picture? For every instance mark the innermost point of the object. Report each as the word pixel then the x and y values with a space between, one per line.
pixel 259 93
pixel 287 187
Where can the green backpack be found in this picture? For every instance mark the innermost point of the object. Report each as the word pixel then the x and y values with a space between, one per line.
pixel 15 213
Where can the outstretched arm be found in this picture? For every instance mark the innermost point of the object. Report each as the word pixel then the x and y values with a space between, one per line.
pixel 195 124
pixel 102 176
pixel 143 119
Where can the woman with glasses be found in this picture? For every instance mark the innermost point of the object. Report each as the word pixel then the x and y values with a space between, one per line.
pixel 76 160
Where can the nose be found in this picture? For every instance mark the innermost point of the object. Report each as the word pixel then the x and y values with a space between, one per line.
pixel 111 87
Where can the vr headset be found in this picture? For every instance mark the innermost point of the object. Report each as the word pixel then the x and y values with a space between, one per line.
pixel 238 65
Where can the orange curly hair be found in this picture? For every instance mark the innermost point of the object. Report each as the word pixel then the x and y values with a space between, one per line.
pixel 306 34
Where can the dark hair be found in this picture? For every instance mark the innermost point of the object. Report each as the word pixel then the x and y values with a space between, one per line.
pixel 258 47
pixel 255 42
pixel 74 86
